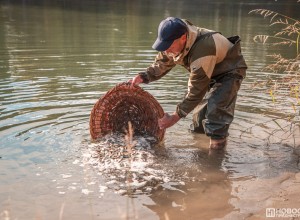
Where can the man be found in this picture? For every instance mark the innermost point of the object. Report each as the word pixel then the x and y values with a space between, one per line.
pixel 216 68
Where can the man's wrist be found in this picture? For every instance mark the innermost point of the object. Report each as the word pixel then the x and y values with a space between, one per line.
pixel 180 113
pixel 176 116
pixel 144 77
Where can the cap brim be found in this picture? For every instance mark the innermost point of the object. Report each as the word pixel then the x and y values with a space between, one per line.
pixel 160 45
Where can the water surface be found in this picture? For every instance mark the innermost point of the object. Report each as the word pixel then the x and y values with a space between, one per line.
pixel 57 59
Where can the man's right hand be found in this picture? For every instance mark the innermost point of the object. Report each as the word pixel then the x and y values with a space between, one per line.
pixel 137 80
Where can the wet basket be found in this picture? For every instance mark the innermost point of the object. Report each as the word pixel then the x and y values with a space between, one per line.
pixel 122 104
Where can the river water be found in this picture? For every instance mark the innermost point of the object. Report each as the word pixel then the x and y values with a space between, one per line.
pixel 57 59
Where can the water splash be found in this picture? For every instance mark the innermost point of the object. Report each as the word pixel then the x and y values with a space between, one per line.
pixel 127 172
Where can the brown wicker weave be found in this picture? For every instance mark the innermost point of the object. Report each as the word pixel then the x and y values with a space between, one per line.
pixel 122 104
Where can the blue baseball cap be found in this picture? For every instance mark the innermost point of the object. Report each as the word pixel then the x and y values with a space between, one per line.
pixel 169 30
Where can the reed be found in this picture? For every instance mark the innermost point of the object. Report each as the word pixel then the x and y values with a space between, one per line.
pixel 128 148
pixel 129 138
pixel 130 144
pixel 288 35
pixel 287 85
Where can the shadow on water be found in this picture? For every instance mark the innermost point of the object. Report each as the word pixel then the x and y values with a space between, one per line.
pixel 206 191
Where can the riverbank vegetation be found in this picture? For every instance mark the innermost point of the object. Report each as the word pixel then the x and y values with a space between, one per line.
pixel 285 89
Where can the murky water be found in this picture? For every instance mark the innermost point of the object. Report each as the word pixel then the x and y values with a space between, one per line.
pixel 57 59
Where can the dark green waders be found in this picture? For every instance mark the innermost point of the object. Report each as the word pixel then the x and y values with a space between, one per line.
pixel 215 113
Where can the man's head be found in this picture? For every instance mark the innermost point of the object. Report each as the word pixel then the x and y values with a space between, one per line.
pixel 169 30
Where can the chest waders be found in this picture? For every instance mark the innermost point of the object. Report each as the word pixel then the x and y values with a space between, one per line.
pixel 215 113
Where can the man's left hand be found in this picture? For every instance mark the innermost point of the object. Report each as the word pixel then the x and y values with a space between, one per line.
pixel 168 120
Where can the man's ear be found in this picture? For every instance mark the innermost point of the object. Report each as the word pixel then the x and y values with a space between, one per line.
pixel 183 37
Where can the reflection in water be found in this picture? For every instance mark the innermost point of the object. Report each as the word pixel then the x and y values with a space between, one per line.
pixel 180 181
pixel 57 59
pixel 204 195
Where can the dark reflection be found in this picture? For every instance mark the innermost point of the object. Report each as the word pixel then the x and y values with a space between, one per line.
pixel 4 55
pixel 206 191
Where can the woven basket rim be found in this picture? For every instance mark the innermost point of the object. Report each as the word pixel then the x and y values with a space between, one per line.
pixel 129 100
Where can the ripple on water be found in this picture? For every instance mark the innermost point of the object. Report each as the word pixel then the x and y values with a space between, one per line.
pixel 149 166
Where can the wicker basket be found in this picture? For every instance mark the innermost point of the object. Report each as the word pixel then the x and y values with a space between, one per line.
pixel 122 104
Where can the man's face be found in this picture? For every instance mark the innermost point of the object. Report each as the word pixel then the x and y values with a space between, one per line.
pixel 177 46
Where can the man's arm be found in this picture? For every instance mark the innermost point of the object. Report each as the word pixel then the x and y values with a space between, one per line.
pixel 161 66
pixel 198 86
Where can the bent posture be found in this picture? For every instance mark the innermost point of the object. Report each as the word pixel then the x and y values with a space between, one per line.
pixel 216 68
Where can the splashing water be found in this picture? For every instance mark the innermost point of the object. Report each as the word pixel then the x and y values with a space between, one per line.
pixel 127 171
